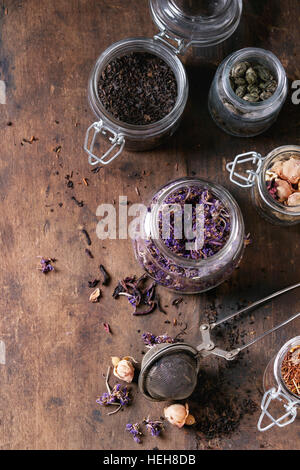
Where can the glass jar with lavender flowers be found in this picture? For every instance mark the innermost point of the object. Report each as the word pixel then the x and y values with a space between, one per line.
pixel 248 92
pixel 274 181
pixel 138 87
pixel 192 236
pixel 281 387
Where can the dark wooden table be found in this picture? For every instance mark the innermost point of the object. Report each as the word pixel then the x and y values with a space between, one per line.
pixel 56 347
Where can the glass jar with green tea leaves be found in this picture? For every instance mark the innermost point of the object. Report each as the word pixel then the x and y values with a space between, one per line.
pixel 248 92
pixel 274 181
pixel 138 87
pixel 192 236
pixel 282 387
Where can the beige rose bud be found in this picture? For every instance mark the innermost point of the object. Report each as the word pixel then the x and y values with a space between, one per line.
pixel 291 170
pixel 123 369
pixel 178 415
pixel 284 190
pixel 294 199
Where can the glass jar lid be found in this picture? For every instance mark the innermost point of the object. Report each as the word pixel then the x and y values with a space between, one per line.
pixel 203 23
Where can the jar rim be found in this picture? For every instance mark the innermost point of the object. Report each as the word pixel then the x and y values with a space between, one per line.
pixel 151 46
pixel 217 190
pixel 262 187
pixel 244 54
pixel 196 29
pixel 278 362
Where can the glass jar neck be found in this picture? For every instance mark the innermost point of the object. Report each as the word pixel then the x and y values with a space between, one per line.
pixel 261 57
pixel 277 154
pixel 218 191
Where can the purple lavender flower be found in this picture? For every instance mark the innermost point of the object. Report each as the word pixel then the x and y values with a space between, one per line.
pixel 154 427
pixel 46 265
pixel 118 395
pixel 134 429
pixel 150 339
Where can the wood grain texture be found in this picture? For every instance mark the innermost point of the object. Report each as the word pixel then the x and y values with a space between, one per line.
pixel 56 346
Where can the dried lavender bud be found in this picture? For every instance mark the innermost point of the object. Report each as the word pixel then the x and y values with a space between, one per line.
pixel 150 339
pixel 134 430
pixel 118 395
pixel 154 427
pixel 46 265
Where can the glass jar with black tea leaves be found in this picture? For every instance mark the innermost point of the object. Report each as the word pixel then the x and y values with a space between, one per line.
pixel 138 87
pixel 247 92
pixel 192 236
pixel 281 383
pixel 274 181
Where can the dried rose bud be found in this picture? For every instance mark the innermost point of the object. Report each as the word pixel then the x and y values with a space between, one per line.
pixel 283 190
pixel 123 368
pixel 294 199
pixel 178 415
pixel 291 170
pixel 277 168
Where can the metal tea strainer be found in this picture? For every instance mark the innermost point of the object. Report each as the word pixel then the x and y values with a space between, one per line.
pixel 169 371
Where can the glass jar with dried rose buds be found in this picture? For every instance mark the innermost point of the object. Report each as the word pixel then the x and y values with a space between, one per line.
pixel 192 236
pixel 138 87
pixel 248 92
pixel 281 387
pixel 274 181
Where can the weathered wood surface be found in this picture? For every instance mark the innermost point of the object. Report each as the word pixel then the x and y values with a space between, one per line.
pixel 56 347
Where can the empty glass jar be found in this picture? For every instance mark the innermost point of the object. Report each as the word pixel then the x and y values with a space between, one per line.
pixel 181 24
pixel 233 114
pixel 276 391
pixel 256 179
pixel 160 257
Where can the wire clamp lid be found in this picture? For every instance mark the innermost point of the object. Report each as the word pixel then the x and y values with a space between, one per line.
pixel 239 179
pixel 285 419
pixel 117 143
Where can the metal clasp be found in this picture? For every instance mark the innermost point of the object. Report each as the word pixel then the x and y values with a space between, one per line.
pixel 290 406
pixel 236 177
pixel 117 141
pixel 166 39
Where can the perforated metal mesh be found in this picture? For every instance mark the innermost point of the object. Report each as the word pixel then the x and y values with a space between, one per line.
pixel 172 377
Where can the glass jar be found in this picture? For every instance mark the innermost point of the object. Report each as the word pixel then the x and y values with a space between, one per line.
pixel 255 178
pixel 276 390
pixel 179 28
pixel 236 116
pixel 182 274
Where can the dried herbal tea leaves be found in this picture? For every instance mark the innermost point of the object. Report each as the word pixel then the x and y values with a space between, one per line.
pixel 106 276
pixel 283 181
pixel 151 340
pixel 252 82
pixel 138 88
pixel 290 370
pixel 216 222
pixel 87 237
pixel 93 283
pixel 142 297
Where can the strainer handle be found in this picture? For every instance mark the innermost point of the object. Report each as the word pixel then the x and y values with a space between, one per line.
pixel 255 304
pixel 244 346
